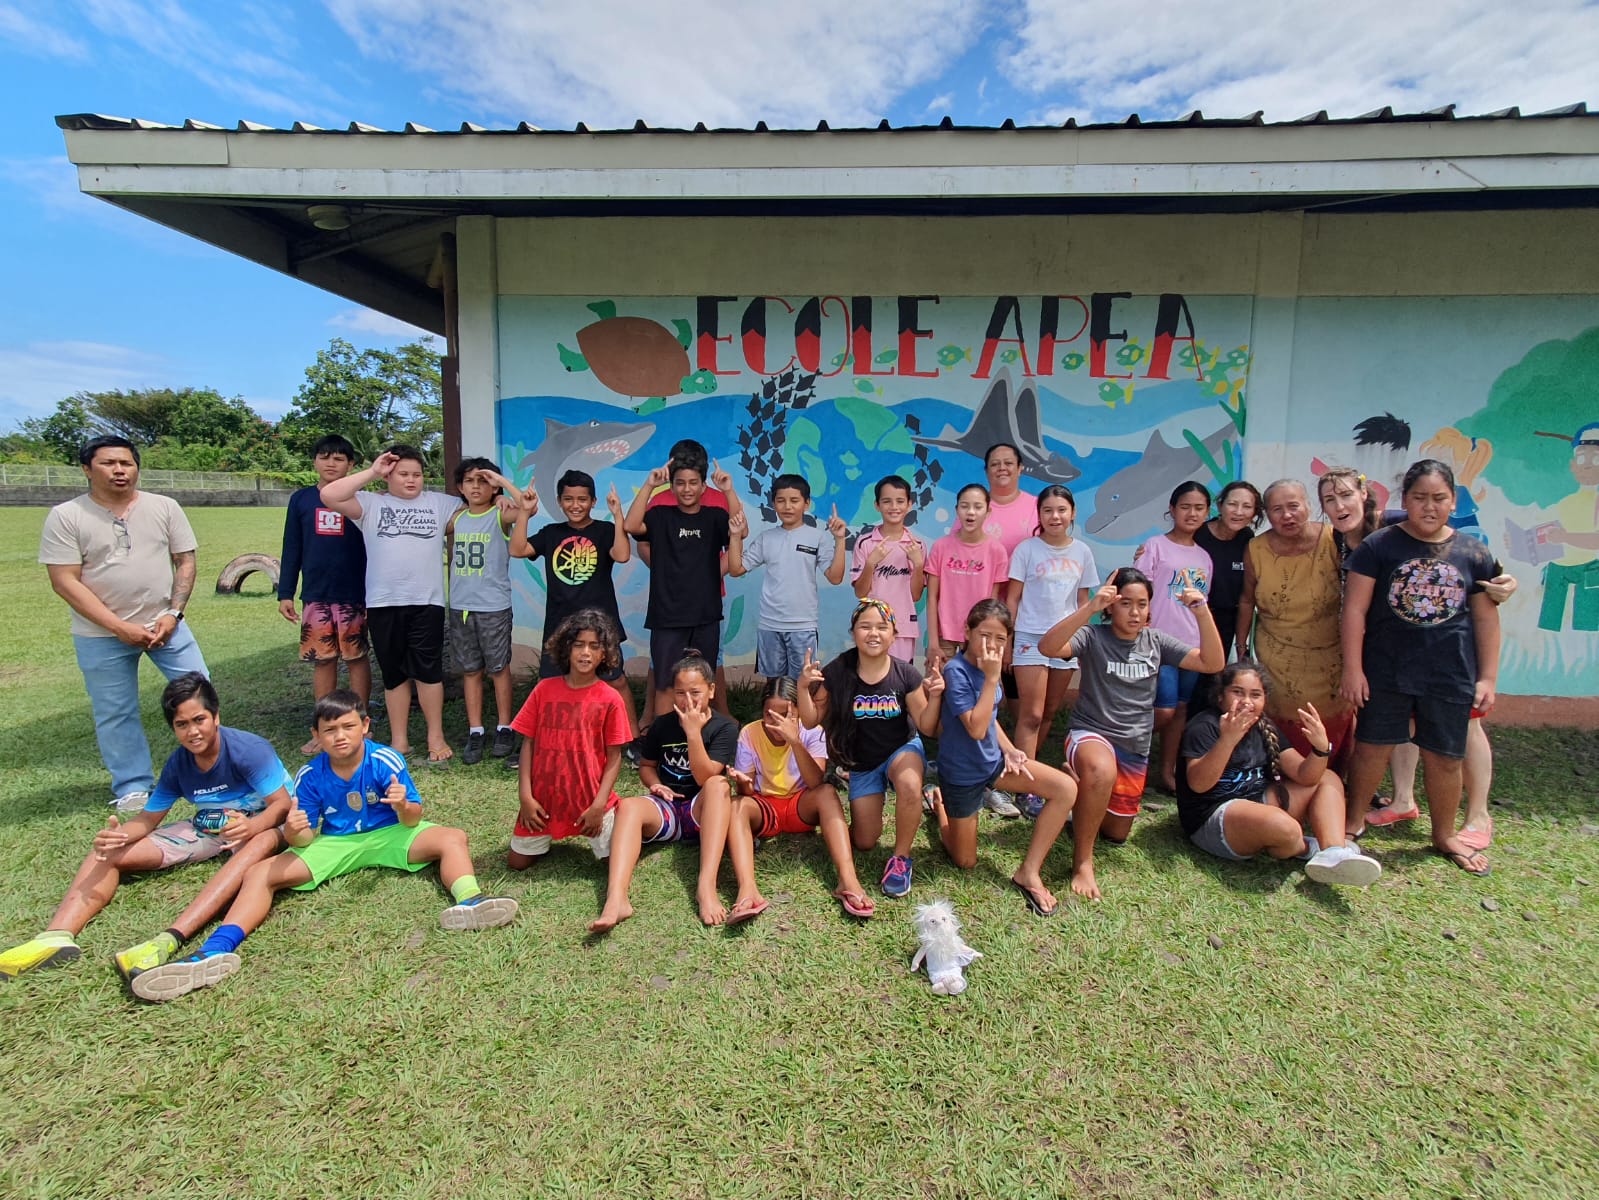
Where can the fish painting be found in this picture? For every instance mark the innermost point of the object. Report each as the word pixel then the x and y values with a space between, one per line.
pixel 591 446
pixel 1133 502
pixel 1000 419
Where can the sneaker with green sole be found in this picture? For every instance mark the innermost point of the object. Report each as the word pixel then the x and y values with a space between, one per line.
pixel 35 954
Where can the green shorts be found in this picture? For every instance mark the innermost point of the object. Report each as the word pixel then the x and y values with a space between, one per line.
pixel 329 857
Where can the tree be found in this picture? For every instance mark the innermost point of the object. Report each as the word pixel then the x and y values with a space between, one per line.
pixel 373 397
pixel 64 430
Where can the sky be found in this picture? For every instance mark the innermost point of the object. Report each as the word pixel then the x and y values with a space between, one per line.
pixel 101 299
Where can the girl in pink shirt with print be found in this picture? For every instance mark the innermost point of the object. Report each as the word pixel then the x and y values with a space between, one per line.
pixel 962 568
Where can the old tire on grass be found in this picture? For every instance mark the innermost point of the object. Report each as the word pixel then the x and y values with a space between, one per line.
pixel 235 573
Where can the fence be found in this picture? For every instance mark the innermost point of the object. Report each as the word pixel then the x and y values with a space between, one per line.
pixel 57 475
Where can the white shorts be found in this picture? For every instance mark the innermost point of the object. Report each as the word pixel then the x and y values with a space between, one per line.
pixel 1025 654
pixel 533 847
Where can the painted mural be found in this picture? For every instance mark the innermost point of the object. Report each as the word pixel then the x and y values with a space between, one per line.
pixel 1119 396
pixel 1506 390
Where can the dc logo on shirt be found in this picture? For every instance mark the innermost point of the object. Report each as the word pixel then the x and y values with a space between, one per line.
pixel 329 522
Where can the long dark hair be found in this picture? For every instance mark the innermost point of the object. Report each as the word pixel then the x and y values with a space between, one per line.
pixel 1055 491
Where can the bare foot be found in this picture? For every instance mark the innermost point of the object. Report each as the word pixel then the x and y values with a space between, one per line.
pixel 440 753
pixel 1039 898
pixel 1083 883
pixel 314 746
pixel 610 918
pixel 712 910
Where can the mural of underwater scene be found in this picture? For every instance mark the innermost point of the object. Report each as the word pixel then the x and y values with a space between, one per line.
pixel 1118 396
pixel 1505 390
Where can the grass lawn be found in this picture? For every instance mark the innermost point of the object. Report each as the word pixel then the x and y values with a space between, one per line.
pixel 1208 1030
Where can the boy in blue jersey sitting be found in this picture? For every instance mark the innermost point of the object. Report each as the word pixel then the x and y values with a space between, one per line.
pixel 356 807
pixel 240 792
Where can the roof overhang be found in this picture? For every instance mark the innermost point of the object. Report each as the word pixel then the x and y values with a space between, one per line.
pixel 248 189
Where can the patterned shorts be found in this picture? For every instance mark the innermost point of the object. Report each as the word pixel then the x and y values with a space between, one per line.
pixel 1131 771
pixel 329 632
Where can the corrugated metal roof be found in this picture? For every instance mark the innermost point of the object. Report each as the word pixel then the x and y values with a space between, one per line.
pixel 1192 120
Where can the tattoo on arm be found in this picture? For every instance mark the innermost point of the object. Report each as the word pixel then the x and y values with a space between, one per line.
pixel 182 579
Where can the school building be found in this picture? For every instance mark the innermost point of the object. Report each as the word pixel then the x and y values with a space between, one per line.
pixel 1133 304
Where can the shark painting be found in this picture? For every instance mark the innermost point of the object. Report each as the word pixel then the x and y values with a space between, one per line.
pixel 998 419
pixel 591 447
pixel 1133 502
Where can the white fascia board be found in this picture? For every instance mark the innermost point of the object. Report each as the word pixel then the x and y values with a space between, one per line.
pixel 866 183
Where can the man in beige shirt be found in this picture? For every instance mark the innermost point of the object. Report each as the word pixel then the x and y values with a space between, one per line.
pixel 124 561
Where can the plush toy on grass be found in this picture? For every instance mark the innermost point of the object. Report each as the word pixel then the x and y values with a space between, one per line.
pixel 945 952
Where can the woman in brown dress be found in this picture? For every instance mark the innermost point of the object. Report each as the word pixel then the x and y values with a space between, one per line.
pixel 1289 613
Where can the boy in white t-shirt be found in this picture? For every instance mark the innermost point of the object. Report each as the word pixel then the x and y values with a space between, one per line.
pixel 404 533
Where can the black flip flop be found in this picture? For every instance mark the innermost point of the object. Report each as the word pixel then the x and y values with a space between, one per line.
pixel 1038 909
pixel 1461 857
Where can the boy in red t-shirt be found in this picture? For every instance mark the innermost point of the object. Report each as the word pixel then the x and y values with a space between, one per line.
pixel 572 738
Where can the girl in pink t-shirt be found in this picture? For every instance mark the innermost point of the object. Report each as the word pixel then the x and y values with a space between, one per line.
pixel 962 568
pixel 1174 562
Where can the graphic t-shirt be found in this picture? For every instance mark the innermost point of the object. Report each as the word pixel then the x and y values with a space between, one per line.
pixel 354 805
pixel 577 570
pixel 1172 568
pixel 892 580
pixel 1419 639
pixel 685 566
pixel 126 563
pixel 1246 773
pixel 571 730
pixel 246 773
pixel 793 558
pixel 1119 680
pixel 1051 577
pixel 325 549
pixel 962 759
pixel 773 767
pixel 666 745
pixel 965 574
pixel 405 547
pixel 480 562
pixel 879 719
pixel 1227 563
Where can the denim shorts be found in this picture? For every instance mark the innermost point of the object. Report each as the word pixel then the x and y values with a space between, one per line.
pixel 780 653
pixel 875 781
pixel 1175 687
pixel 962 800
pixel 1211 837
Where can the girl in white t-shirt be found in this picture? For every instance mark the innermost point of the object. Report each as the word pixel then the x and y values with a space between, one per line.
pixel 1051 575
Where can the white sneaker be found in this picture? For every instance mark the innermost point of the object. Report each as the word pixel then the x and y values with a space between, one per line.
pixel 1312 848
pixel 1344 866
pixel 1000 804
pixel 131 802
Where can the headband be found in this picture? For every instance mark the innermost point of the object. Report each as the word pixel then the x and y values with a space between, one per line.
pixel 872 602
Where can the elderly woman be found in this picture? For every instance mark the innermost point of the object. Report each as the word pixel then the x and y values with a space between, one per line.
pixel 1289 612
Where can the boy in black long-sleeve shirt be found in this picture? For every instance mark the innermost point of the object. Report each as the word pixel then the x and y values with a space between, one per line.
pixel 325 550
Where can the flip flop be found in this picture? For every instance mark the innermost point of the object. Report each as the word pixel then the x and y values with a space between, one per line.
pixel 856 904
pixel 1477 839
pixel 746 910
pixel 1380 818
pixel 1033 902
pixel 1461 857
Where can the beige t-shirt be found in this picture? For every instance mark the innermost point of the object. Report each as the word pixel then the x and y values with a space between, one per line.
pixel 130 572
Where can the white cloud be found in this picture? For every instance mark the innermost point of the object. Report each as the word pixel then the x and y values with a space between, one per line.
pixel 35 376
pixel 366 320
pixel 1232 57
pixel 38 36
pixel 939 104
pixel 724 62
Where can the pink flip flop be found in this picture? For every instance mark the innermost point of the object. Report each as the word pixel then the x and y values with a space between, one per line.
pixel 1477 839
pixel 747 911
pixel 1379 818
pixel 856 904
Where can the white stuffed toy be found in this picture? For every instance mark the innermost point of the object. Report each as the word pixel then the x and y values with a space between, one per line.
pixel 942 947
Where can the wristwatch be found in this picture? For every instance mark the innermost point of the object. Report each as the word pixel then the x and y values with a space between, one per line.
pixel 175 613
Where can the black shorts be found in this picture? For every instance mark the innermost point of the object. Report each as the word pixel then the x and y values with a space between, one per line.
pixel 408 640
pixel 1384 720
pixel 667 646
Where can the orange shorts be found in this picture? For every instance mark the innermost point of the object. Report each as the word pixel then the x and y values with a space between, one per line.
pixel 780 814
pixel 1126 794
pixel 329 632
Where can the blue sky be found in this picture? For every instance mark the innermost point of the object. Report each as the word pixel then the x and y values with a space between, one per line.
pixel 102 299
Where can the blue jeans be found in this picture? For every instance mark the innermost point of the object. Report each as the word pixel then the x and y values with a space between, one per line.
pixel 780 653
pixel 111 675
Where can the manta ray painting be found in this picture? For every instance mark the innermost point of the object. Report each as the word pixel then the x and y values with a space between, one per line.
pixel 592 447
pixel 1000 419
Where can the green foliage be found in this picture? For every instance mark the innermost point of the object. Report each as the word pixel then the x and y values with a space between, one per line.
pixel 64 430
pixel 1553 389
pixel 373 397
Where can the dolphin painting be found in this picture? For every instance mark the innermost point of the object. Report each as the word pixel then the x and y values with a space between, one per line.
pixel 1133 502
pixel 591 447
pixel 996 420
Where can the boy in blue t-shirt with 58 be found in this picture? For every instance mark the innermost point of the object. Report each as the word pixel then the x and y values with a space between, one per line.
pixel 356 808
pixel 793 554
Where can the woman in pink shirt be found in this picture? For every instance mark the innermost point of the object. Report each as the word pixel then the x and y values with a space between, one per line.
pixel 962 568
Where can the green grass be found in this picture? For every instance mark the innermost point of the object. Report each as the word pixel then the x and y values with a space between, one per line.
pixel 1334 1043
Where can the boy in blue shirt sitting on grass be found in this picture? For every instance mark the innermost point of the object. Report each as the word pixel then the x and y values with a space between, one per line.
pixel 356 807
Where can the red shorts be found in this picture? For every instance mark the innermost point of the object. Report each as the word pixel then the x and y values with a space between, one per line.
pixel 329 632
pixel 780 814
pixel 1126 794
